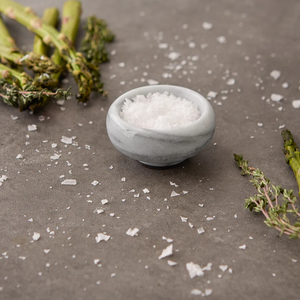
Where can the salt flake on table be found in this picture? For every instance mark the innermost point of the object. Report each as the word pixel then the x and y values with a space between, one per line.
pixel 222 40
pixel 212 94
pixel 121 64
pixel 174 194
pixel 172 263
pixel 55 156
pixel 19 156
pixel 146 191
pixel 152 82
pixel 210 218
pixel 167 239
pixel 275 74
pixel 200 230
pixel 163 46
pixel 194 270
pixel 276 97
pixel 196 292
pixel 66 140
pixel 95 182
pixel 102 237
pixel 36 236
pixel 46 251
pixel 60 102
pixel 230 81
pixel 104 201
pixel 99 210
pixel 173 183
pixel 207 26
pixel 32 127
pixel 223 267
pixel 285 85
pixel 69 182
pixel 243 247
pixel 166 252
pixel 173 55
pixel 183 219
pixel 132 232
pixel 208 292
pixel 296 103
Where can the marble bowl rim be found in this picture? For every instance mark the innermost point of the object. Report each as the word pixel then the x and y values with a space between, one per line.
pixel 201 101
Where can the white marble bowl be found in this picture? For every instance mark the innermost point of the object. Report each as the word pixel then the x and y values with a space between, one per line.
pixel 160 148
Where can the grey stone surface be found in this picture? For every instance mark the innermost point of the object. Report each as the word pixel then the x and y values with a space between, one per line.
pixel 261 36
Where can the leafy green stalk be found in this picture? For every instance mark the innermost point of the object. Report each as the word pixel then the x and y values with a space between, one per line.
pixel 76 63
pixel 70 23
pixel 267 201
pixel 20 90
pixel 50 17
pixel 292 154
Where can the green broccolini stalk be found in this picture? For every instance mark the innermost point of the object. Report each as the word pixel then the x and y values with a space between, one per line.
pixel 5 38
pixel 76 63
pixel 50 17
pixel 93 47
pixel 292 154
pixel 70 23
pixel 267 201
pixel 20 90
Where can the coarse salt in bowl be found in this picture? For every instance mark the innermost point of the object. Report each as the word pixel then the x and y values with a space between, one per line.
pixel 160 125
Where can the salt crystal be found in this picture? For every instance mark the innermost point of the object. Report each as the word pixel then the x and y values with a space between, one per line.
pixel 60 102
pixel 66 140
pixel 163 46
pixel 243 247
pixel 22 257
pixel 260 124
pixel 55 156
pixel 194 270
pixel 132 232
pixel 69 182
pixel 275 74
pixel 276 97
pixel 223 267
pixel 172 263
pixel 96 261
pixel 183 219
pixel 46 251
pixel 159 111
pixel 200 230
pixel 296 103
pixel 207 292
pixel 102 237
pixel 19 156
pixel 121 64
pixel 285 85
pixel 173 55
pixel 36 236
pixel 212 94
pixel 166 252
pixel 104 201
pixel 152 82
pixel 196 292
pixel 167 239
pixel 32 127
pixel 98 211
pixel 14 117
pixel 222 40
pixel 174 194
pixel 95 182
pixel 146 191
pixel 209 218
pixel 230 81
pixel 207 26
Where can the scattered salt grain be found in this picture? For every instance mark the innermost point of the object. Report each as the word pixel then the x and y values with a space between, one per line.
pixel 166 252
pixel 276 97
pixel 196 292
pixel 296 103
pixel 230 81
pixel 95 182
pixel 173 55
pixel 174 194
pixel 159 111
pixel 208 292
pixel 104 201
pixel 19 156
pixel 152 82
pixel 285 85
pixel 243 247
pixel 223 267
pixel 60 102
pixel 36 236
pixel 46 251
pixel 66 140
pixel 183 219
pixel 212 94
pixel 132 232
pixel 121 64
pixel 102 237
pixel 169 240
pixel 146 191
pixel 69 182
pixel 200 230
pixel 32 127
pixel 275 74
pixel 207 26
pixel 55 156
pixel 222 40
pixel 163 46
pixel 14 117
pixel 194 270
pixel 172 263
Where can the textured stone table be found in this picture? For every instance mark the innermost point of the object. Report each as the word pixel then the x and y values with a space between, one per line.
pixel 162 41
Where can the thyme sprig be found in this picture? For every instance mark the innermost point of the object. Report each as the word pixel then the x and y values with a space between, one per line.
pixel 267 200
